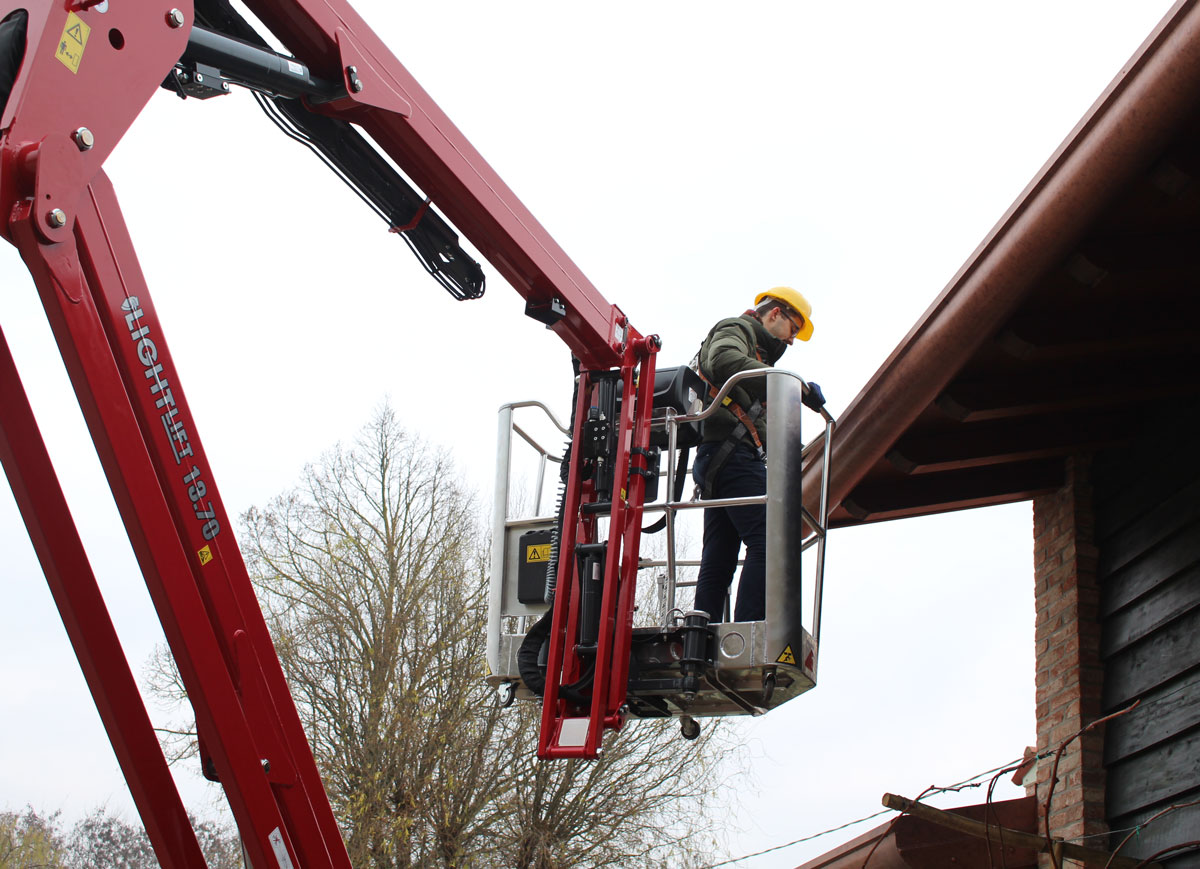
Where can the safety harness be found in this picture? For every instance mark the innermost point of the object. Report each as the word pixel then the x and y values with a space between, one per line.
pixel 743 431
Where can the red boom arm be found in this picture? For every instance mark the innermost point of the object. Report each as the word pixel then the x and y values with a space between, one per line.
pixel 88 69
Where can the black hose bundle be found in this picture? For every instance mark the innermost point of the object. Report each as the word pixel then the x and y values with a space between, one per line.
pixel 529 665
pixel 532 669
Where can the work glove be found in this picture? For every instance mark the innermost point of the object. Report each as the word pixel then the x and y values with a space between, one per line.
pixel 814 398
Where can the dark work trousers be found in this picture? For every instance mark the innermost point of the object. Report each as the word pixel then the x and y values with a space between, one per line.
pixel 726 529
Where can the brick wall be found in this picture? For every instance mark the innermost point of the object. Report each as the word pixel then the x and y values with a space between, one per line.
pixel 1069 670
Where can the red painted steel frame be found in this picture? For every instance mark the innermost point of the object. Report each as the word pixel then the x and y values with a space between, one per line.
pixel 64 219
pixel 119 364
pixel 63 216
pixel 564 665
pixel 73 585
pixel 636 421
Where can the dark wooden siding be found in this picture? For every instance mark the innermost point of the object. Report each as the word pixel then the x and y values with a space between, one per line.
pixel 1147 511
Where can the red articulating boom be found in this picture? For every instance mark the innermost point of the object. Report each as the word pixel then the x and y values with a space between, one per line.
pixel 79 73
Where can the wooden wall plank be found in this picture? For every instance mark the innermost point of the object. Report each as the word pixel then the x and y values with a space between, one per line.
pixel 1163 714
pixel 1181 825
pixel 1154 662
pixel 1163 774
pixel 1176 511
pixel 1169 600
pixel 1147 526
pixel 1174 555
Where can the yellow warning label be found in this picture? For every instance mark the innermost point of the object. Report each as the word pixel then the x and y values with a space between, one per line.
pixel 537 552
pixel 205 555
pixel 786 656
pixel 74 40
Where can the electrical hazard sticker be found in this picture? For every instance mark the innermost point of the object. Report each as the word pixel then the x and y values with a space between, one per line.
pixel 205 555
pixel 537 552
pixel 786 656
pixel 73 42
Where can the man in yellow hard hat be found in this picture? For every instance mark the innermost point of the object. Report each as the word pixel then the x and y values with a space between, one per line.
pixel 730 461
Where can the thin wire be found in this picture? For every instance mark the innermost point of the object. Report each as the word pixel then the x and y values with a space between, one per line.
pixel 798 841
pixel 1109 833
pixel 959 786
pixel 891 826
pixel 971 782
pixel 1146 823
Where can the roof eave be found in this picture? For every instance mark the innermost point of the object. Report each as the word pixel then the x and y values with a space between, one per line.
pixel 1116 140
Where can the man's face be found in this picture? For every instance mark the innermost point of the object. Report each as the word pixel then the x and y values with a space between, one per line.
pixel 783 324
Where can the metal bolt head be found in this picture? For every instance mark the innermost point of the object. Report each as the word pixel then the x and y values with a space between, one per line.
pixel 56 218
pixel 199 78
pixel 175 19
pixel 266 765
pixel 84 139
pixel 356 86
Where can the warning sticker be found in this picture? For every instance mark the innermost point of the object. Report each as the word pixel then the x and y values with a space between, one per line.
pixel 74 40
pixel 537 552
pixel 786 656
pixel 281 852
pixel 205 555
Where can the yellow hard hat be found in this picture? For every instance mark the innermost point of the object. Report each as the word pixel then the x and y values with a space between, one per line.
pixel 794 300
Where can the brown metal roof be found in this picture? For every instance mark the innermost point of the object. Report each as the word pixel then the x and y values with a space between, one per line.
pixel 906 842
pixel 1076 314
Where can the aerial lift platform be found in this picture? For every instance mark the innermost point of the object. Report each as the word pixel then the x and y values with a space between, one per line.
pixel 74 75
pixel 687 663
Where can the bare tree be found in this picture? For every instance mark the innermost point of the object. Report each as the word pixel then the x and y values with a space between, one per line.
pixel 372 574
pixel 103 840
pixel 371 583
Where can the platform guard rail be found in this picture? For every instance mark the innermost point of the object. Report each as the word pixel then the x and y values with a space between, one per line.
pixel 783 499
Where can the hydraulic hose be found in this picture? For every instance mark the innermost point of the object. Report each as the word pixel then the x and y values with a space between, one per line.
pixel 532 672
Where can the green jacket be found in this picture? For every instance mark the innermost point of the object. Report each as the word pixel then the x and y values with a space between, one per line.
pixel 734 345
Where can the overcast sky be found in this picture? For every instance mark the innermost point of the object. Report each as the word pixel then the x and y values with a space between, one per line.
pixel 685 156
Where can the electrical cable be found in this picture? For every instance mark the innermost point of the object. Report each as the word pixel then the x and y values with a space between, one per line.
pixel 972 782
pixel 798 841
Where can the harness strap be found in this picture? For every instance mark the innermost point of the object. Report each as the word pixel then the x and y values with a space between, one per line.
pixel 745 419
pixel 735 438
pixel 744 428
